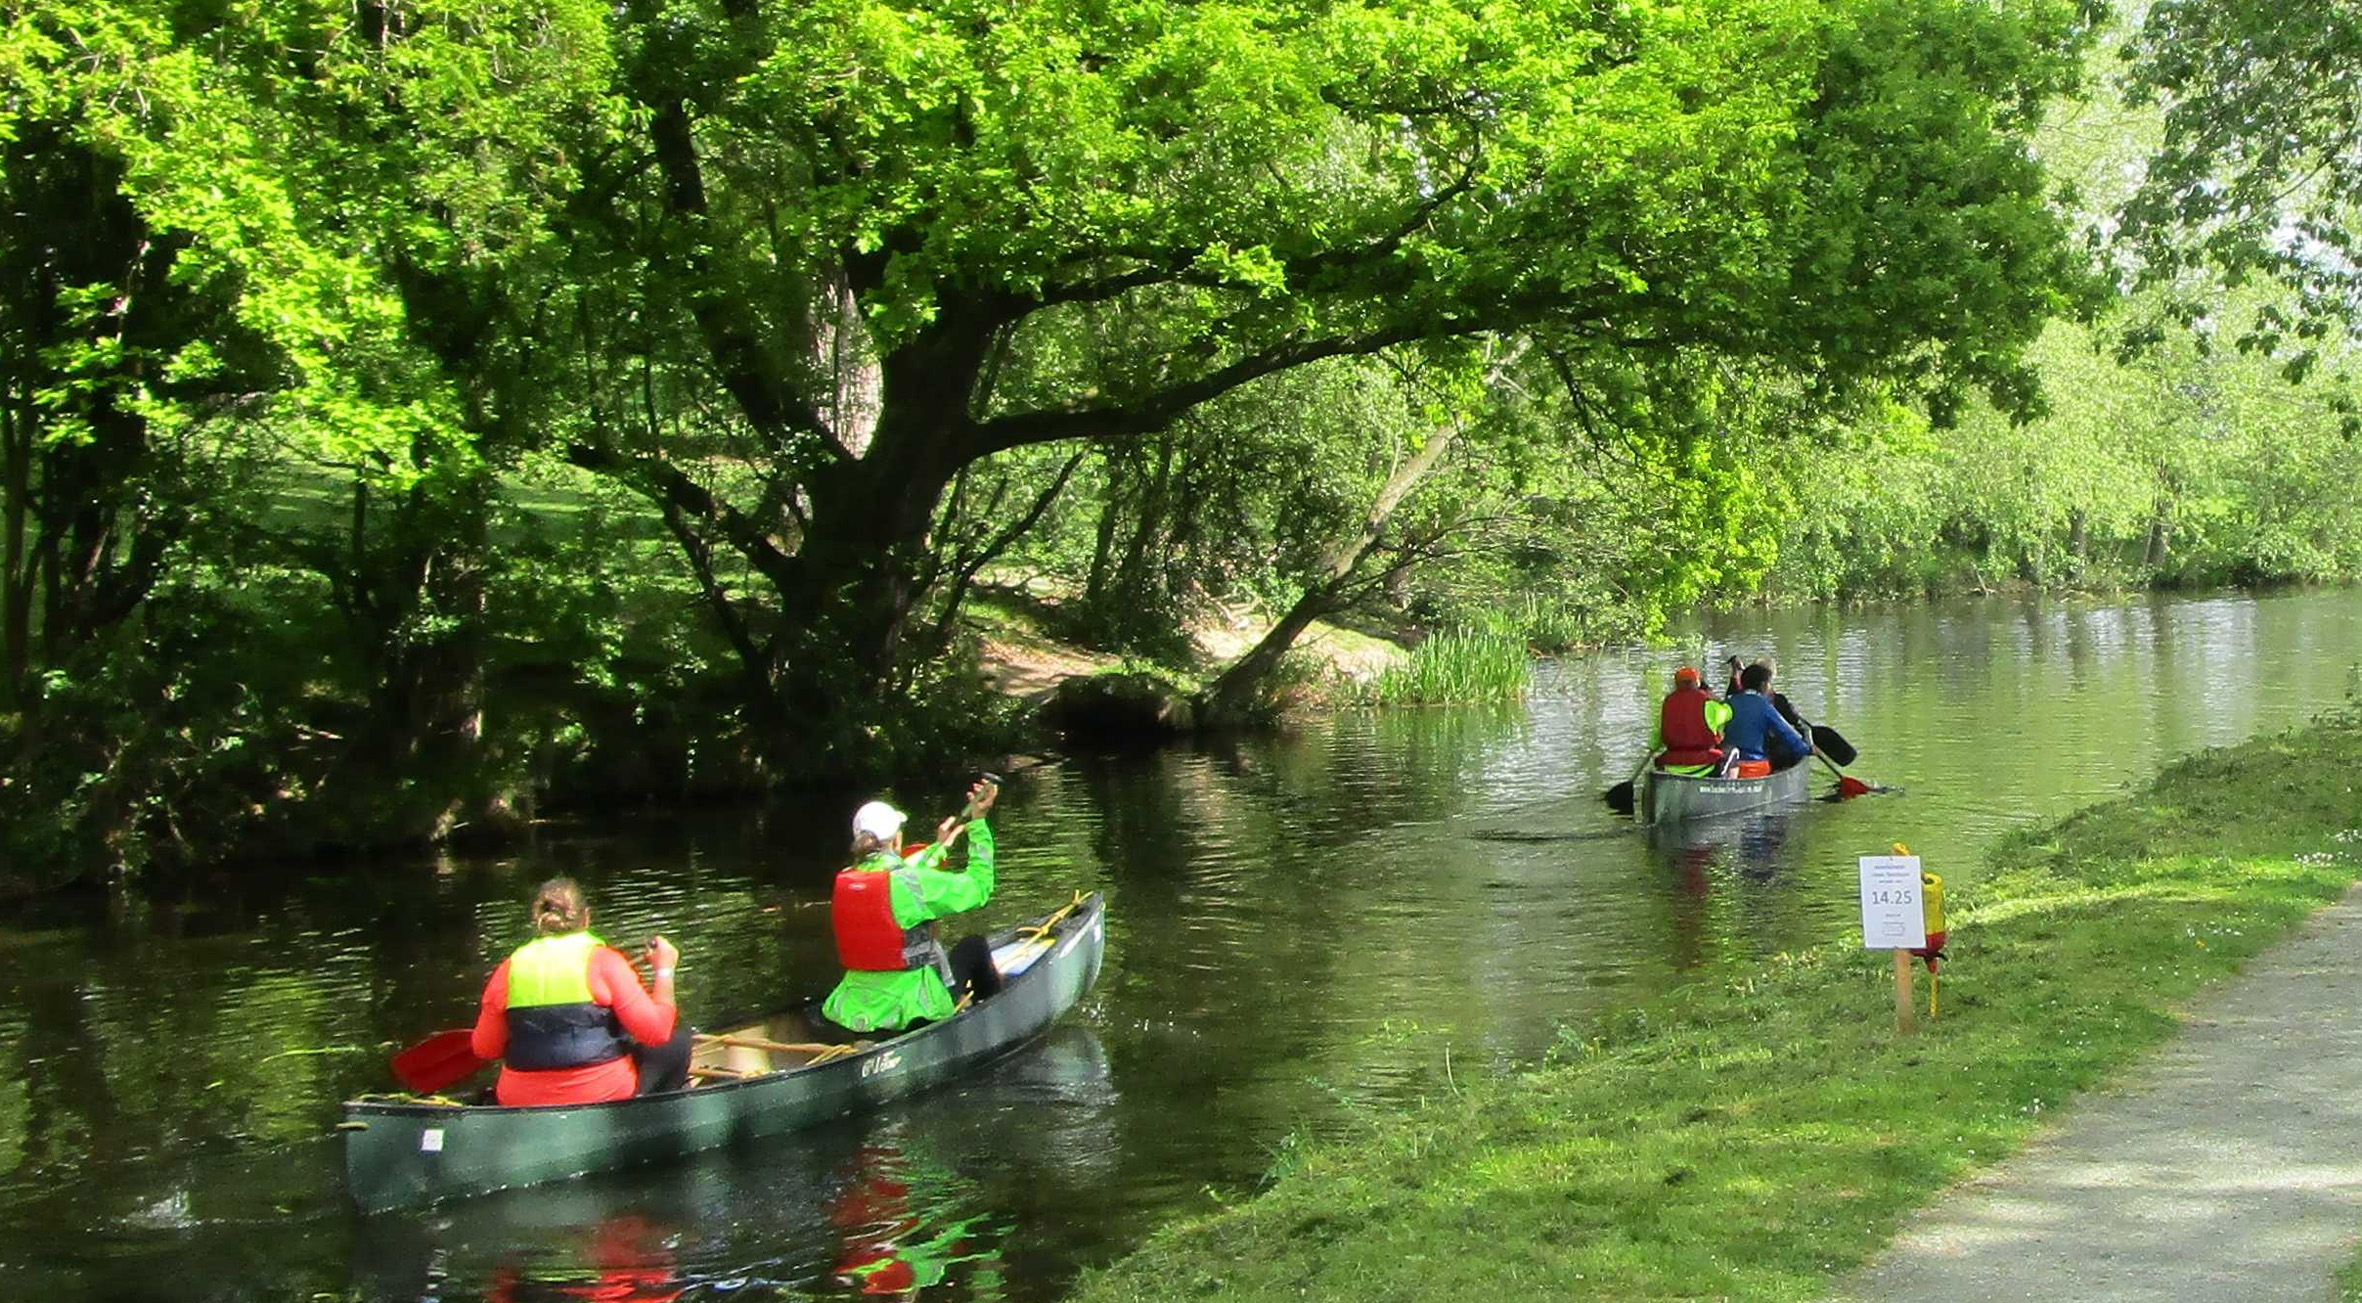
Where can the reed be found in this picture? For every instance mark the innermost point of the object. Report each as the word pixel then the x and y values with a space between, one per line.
pixel 1552 625
pixel 1457 667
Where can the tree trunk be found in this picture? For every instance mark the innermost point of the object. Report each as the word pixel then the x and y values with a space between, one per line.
pixel 846 597
pixel 1233 696
pixel 840 347
pixel 16 587
pixel 1103 546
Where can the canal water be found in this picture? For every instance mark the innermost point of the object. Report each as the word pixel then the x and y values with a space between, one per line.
pixel 1303 932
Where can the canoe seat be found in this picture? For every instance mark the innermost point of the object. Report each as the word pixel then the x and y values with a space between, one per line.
pixel 1018 956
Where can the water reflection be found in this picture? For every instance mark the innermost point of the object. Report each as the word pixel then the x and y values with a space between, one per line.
pixel 625 1259
pixel 1725 881
pixel 1298 928
pixel 897 1219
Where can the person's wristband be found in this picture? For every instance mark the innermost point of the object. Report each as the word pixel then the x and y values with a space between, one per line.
pixel 664 972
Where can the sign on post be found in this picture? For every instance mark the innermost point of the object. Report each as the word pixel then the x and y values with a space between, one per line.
pixel 1893 917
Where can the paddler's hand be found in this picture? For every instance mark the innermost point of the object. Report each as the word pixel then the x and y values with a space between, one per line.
pixel 661 957
pixel 980 799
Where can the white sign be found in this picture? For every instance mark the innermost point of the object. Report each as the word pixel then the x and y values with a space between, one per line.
pixel 1891 909
pixel 431 1141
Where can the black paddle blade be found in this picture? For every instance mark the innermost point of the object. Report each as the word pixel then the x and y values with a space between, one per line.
pixel 1619 797
pixel 1833 744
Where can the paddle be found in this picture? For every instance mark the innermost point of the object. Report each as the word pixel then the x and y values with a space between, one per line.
pixel 1832 743
pixel 1619 797
pixel 1834 750
pixel 437 1063
pixel 1848 786
pixel 967 814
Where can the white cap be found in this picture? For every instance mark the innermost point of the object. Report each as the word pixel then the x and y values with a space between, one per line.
pixel 879 820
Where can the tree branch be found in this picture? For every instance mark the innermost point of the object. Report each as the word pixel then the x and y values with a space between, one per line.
pixel 941 634
pixel 666 485
pixel 1154 412
pixel 748 370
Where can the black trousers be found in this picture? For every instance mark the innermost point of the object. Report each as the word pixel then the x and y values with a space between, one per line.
pixel 972 970
pixel 665 1067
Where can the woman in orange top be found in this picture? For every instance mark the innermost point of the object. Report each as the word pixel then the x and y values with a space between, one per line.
pixel 568 1018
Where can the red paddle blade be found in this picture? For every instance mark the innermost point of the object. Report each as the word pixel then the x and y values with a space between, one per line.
pixel 442 1060
pixel 1849 787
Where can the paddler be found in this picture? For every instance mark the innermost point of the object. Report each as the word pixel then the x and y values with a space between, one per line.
pixel 1688 735
pixel 1756 727
pixel 568 1019
pixel 884 908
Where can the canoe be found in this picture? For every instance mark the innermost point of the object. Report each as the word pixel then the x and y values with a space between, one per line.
pixel 760 1078
pixel 1676 798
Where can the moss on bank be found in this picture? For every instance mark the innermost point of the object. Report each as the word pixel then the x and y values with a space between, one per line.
pixel 1756 1138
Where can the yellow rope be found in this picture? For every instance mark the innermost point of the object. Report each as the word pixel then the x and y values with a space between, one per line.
pixel 738 1041
pixel 1043 928
pixel 405 1097
pixel 1039 934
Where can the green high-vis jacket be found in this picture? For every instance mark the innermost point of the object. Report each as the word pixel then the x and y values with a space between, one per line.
pixel 921 891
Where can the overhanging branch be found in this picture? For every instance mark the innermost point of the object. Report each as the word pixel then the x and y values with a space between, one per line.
pixel 1154 412
pixel 671 488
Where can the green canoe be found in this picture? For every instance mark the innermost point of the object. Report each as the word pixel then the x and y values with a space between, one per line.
pixel 755 1080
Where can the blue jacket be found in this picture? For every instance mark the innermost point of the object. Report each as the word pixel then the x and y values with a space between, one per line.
pixel 1753 723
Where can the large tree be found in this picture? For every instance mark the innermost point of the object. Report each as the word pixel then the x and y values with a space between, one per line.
pixel 787 269
pixel 1225 192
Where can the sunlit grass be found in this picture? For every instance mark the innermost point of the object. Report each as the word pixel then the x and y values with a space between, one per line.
pixel 1459 667
pixel 1756 1138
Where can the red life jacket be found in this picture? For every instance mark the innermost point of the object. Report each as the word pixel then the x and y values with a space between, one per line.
pixel 1682 721
pixel 868 939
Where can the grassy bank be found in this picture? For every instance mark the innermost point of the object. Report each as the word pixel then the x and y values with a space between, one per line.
pixel 1755 1138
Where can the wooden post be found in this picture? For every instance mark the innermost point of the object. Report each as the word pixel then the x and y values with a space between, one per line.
pixel 1903 993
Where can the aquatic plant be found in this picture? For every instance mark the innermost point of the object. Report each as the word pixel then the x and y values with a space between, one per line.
pixel 1457 667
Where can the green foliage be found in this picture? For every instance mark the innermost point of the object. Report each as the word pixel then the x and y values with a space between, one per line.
pixel 844 304
pixel 2255 172
pixel 1550 625
pixel 1760 1138
pixel 1456 667
pixel 2181 466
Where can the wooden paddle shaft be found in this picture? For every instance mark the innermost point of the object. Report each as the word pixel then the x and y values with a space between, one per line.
pixel 759 1043
pixel 967 813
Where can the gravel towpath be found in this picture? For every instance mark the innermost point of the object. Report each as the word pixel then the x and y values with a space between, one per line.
pixel 2228 1168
